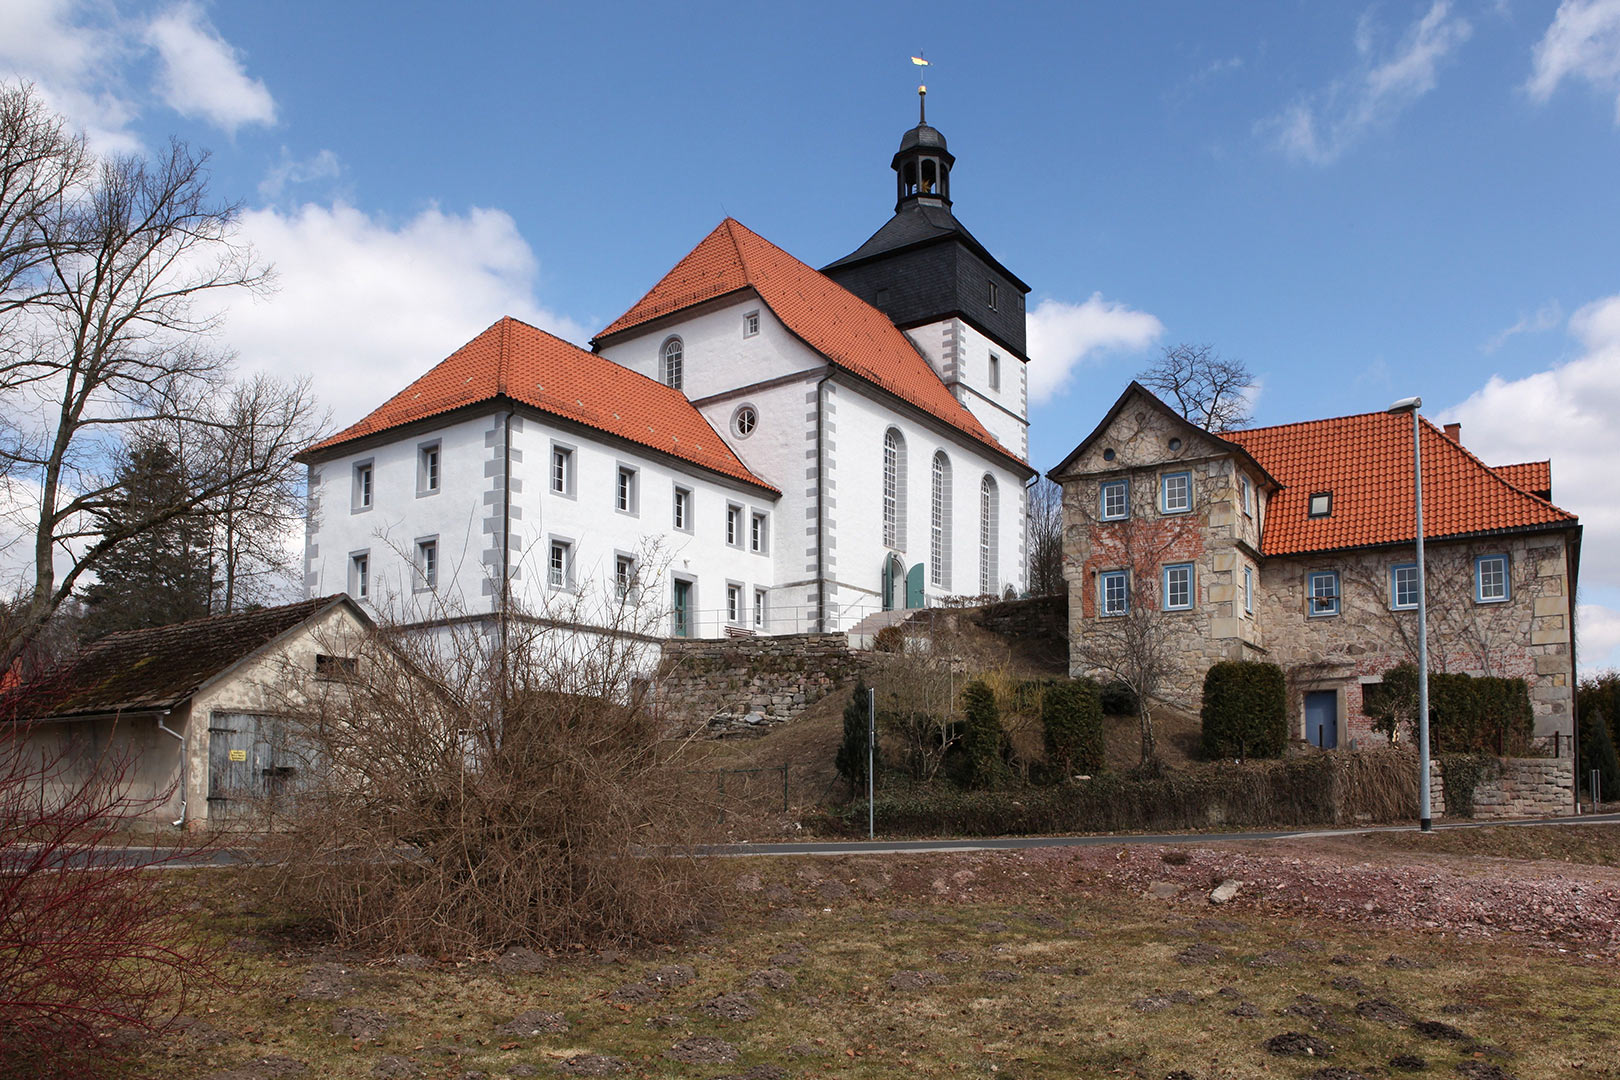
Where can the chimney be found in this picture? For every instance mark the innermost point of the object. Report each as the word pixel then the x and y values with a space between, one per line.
pixel 1454 433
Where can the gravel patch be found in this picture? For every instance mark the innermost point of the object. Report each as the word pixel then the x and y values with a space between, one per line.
pixel 521 961
pixel 363 1025
pixel 1295 1044
pixel 591 1065
pixel 702 1050
pixel 533 1023
pixel 915 980
pixel 735 1007
pixel 771 979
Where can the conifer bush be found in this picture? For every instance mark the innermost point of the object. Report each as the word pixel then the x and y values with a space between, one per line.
pixel 1245 711
pixel 852 752
pixel 1072 723
pixel 982 736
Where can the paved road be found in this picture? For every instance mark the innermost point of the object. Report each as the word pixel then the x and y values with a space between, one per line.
pixel 234 857
pixel 1018 843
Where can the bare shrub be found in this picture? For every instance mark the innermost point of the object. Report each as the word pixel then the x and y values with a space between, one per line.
pixel 496 781
pixel 89 945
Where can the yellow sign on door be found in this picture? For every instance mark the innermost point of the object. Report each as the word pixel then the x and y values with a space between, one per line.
pixel 238 755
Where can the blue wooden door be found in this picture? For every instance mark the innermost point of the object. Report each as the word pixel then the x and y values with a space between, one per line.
pixel 914 587
pixel 1322 718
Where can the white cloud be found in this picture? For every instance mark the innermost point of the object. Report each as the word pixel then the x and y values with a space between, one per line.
pixel 1566 413
pixel 72 52
pixel 1322 127
pixel 1547 316
pixel 1597 630
pixel 77 53
pixel 364 306
pixel 201 74
pixel 289 170
pixel 1583 42
pixel 1062 336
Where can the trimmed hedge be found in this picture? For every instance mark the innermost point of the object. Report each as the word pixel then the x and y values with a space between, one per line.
pixel 1118 699
pixel 1467 714
pixel 1245 711
pixel 982 736
pixel 1072 723
pixel 1317 789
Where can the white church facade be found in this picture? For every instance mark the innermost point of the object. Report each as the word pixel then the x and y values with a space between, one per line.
pixel 754 447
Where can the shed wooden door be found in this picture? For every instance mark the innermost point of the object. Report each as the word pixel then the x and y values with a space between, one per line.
pixel 239 756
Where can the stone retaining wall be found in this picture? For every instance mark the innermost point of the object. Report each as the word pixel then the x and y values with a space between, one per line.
pixel 1034 617
pixel 744 684
pixel 1526 787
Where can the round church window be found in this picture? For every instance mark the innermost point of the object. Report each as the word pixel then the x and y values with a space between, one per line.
pixel 744 421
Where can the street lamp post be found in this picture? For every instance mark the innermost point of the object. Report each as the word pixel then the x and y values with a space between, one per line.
pixel 1425 822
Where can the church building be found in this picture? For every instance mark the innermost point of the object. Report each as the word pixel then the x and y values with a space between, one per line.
pixel 753 447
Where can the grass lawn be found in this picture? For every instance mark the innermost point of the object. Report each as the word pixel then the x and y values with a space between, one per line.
pixel 982 964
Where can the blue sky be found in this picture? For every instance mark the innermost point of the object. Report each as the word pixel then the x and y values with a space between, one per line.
pixel 1360 201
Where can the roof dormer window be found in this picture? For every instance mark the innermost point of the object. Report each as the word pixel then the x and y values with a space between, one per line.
pixel 1321 504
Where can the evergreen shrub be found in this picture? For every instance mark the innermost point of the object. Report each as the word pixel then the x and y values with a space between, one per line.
pixel 1245 711
pixel 982 737
pixel 1072 723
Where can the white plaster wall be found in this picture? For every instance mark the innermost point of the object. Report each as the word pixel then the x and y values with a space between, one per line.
pixel 960 355
pixel 858 471
pixel 717 355
pixel 590 520
pixel 398 517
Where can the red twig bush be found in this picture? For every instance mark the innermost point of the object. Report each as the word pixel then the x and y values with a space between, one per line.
pixel 90 949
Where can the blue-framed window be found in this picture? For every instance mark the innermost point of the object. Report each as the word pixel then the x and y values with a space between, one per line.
pixel 1322 593
pixel 1113 593
pixel 1248 590
pixel 1491 579
pixel 1403 586
pixel 1246 494
pixel 1175 493
pixel 1178 587
pixel 1114 499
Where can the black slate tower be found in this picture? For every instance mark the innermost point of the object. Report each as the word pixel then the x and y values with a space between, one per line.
pixel 923 266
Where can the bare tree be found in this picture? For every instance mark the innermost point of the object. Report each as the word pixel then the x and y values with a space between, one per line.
pixel 1206 388
pixel 41 163
pixel 253 517
pixel 106 339
pixel 1045 538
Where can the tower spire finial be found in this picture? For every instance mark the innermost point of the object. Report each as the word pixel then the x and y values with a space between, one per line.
pixel 922 90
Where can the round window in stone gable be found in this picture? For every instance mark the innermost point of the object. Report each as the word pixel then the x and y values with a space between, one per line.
pixel 1108 454
pixel 744 421
pixel 1175 444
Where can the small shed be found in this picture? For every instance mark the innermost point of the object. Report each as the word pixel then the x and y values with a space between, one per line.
pixel 194 708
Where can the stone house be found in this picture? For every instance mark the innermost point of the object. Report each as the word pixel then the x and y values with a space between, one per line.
pixel 190 713
pixel 1295 544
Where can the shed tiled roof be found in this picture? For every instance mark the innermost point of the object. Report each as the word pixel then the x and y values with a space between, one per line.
pixel 834 322
pixel 1366 462
pixel 159 667
pixel 1534 476
pixel 515 360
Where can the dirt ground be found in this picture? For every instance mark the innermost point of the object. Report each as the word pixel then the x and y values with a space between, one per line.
pixel 1336 958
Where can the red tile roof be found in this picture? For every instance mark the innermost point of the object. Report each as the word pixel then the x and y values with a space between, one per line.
pixel 515 360
pixel 831 320
pixel 1533 476
pixel 1366 462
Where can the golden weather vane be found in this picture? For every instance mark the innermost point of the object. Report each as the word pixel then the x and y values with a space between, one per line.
pixel 922 90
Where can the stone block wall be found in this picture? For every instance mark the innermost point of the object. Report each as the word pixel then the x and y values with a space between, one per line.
pixel 1036 617
pixel 1525 788
pixel 751 684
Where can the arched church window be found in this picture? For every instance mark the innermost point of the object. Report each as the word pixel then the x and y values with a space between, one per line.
pixel 989 512
pixel 939 524
pixel 673 368
pixel 894 490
